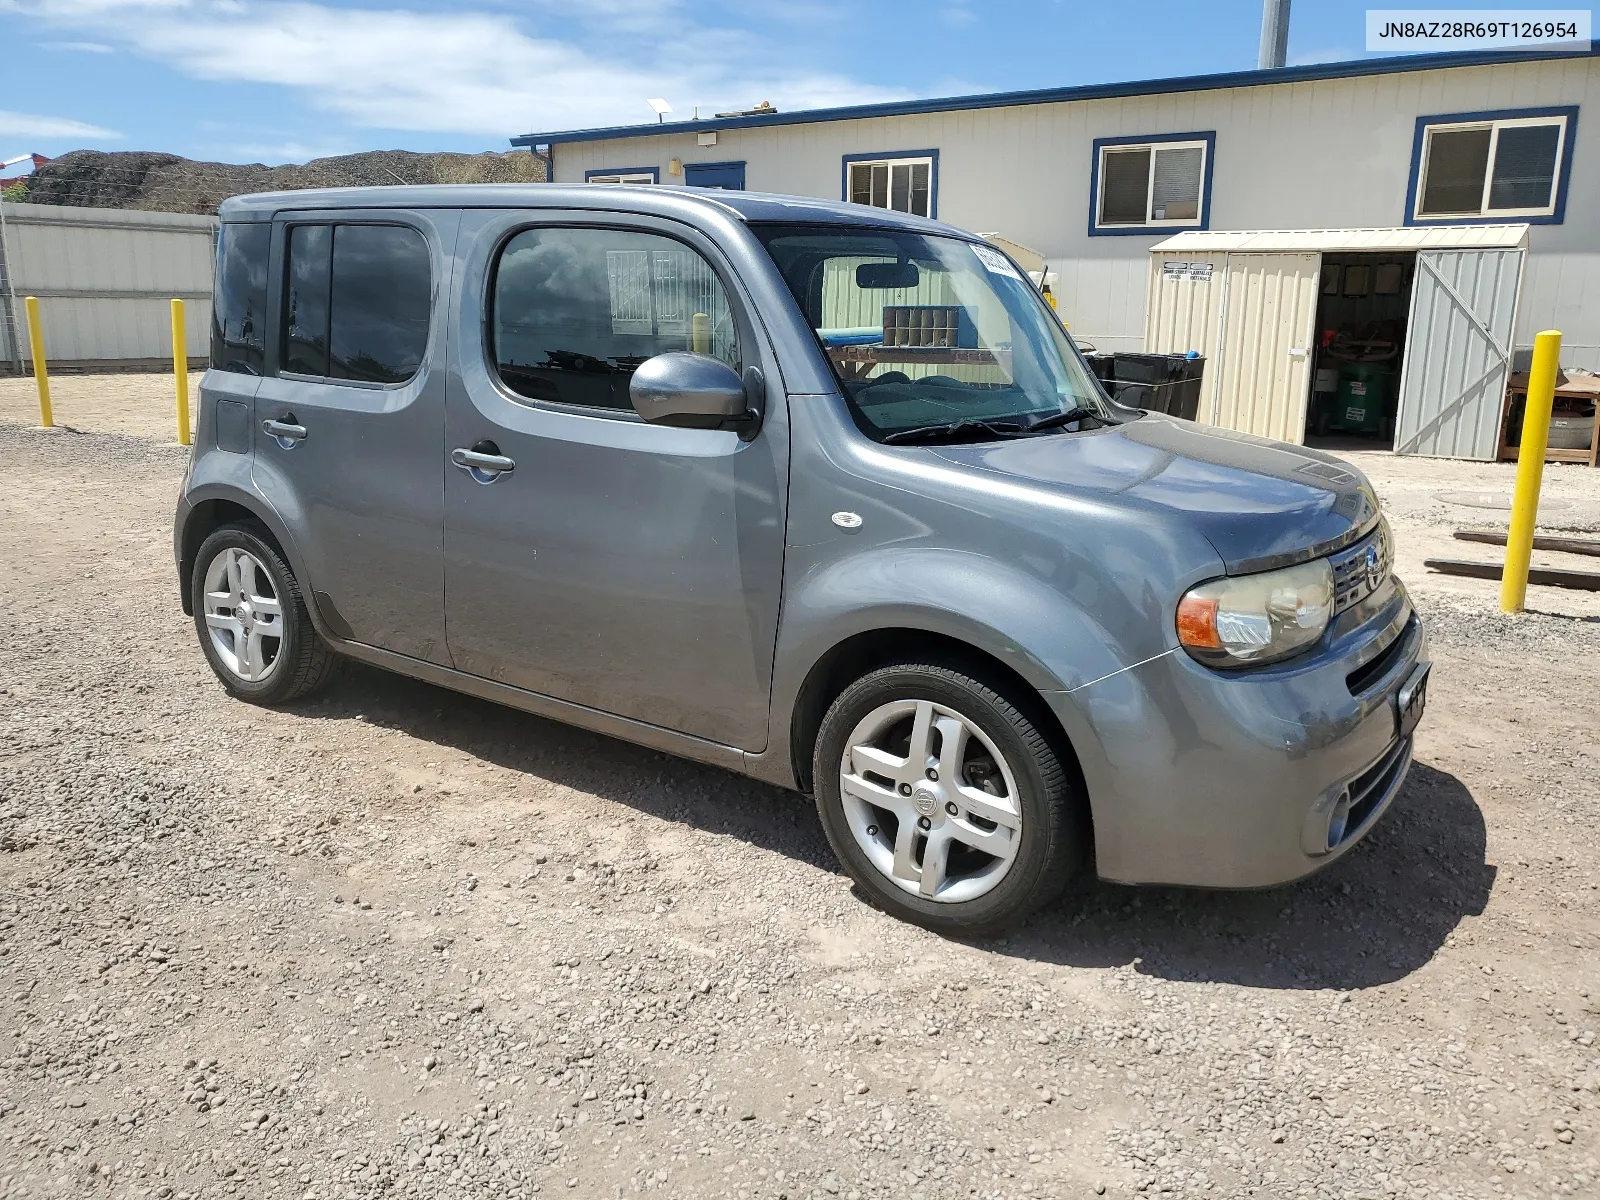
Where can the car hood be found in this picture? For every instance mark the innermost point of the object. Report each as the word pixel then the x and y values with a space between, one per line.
pixel 1261 504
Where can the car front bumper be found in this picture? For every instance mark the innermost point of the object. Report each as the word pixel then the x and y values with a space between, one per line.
pixel 1248 778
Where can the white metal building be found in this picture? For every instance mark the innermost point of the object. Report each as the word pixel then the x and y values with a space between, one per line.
pixel 105 279
pixel 1447 202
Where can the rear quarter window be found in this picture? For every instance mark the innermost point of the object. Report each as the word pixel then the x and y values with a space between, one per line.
pixel 239 299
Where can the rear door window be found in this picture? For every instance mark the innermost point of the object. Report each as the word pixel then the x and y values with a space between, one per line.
pixel 575 311
pixel 356 302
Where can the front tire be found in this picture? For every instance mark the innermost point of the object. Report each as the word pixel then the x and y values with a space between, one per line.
pixel 252 619
pixel 945 801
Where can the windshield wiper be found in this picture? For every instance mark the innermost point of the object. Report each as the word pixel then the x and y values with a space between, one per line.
pixel 955 429
pixel 1055 420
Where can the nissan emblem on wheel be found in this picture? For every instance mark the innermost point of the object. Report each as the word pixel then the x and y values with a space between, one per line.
pixel 627 458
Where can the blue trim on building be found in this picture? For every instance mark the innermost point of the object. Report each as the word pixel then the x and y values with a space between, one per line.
pixel 1400 64
pixel 1563 168
pixel 933 173
pixel 653 172
pixel 1208 136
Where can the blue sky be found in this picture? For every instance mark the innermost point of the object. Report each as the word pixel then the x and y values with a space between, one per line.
pixel 283 81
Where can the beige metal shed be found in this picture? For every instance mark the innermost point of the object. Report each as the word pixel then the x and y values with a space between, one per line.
pixel 1248 302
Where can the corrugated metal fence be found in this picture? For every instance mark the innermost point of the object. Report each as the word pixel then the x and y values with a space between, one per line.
pixel 104 278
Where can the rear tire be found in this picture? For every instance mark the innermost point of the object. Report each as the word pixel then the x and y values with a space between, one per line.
pixel 252 620
pixel 945 801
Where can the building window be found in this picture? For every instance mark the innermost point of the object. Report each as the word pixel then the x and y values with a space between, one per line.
pixel 624 175
pixel 1476 166
pixel 1151 184
pixel 905 181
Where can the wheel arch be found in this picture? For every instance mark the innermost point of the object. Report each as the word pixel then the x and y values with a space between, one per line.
pixel 208 512
pixel 852 657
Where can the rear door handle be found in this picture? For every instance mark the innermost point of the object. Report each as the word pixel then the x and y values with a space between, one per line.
pixel 285 431
pixel 483 462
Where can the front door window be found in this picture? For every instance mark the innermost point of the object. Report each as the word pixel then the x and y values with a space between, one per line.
pixel 576 310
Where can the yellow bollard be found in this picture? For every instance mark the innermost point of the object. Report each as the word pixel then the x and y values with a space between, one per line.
pixel 1530 469
pixel 41 371
pixel 700 333
pixel 180 370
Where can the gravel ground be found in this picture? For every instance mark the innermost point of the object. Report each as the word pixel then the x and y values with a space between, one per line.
pixel 138 405
pixel 398 942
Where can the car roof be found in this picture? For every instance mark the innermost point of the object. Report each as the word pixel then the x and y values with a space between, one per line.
pixel 683 203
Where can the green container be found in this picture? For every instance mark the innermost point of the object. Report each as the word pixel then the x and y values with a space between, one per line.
pixel 1363 398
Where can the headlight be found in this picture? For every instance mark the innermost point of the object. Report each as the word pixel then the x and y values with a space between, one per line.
pixel 1249 619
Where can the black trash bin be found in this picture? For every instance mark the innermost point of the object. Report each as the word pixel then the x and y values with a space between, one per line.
pixel 1164 383
pixel 1104 368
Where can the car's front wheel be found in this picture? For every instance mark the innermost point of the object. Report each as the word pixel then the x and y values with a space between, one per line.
pixel 252 620
pixel 946 801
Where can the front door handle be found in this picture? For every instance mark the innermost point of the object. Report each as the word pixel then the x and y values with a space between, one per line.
pixel 483 462
pixel 285 431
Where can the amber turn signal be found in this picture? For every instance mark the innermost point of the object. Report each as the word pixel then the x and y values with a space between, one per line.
pixel 1197 622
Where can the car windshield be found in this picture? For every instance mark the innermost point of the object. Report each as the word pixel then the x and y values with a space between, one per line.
pixel 933 334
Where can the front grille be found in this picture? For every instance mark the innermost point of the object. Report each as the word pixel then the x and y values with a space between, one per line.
pixel 1360 570
pixel 1370 672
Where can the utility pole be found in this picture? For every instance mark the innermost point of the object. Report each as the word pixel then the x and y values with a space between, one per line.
pixel 1274 34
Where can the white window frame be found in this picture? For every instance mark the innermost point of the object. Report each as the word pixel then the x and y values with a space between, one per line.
pixel 1560 120
pixel 1155 147
pixel 624 177
pixel 891 164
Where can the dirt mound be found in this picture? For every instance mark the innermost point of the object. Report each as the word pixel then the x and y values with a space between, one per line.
pixel 169 183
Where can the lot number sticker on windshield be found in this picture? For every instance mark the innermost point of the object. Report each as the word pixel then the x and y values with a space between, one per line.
pixel 997 263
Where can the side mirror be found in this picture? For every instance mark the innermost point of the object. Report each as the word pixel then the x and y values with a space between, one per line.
pixel 691 391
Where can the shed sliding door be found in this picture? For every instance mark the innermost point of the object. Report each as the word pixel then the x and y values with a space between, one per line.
pixel 1264 362
pixel 1458 352
pixel 1253 319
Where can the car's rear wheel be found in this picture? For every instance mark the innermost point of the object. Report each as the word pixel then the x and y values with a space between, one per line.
pixel 945 800
pixel 252 620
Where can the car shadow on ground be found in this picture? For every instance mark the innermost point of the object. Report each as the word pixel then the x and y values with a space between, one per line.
pixel 1376 915
pixel 647 781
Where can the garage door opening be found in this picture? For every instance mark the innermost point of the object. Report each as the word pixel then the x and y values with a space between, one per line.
pixel 1359 349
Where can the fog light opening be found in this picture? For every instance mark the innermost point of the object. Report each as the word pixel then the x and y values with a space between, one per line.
pixel 1339 821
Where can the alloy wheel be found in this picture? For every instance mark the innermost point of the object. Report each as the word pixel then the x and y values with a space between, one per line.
pixel 243 614
pixel 930 800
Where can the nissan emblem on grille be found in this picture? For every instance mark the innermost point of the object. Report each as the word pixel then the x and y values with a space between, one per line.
pixel 1361 570
pixel 1374 561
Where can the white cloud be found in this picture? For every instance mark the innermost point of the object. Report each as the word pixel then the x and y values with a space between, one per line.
pixel 478 72
pixel 30 125
pixel 79 47
pixel 959 16
pixel 275 154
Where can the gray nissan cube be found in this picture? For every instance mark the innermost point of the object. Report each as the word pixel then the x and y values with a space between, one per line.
pixel 816 492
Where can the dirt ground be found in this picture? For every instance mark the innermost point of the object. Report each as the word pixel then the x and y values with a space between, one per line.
pixel 143 406
pixel 398 942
